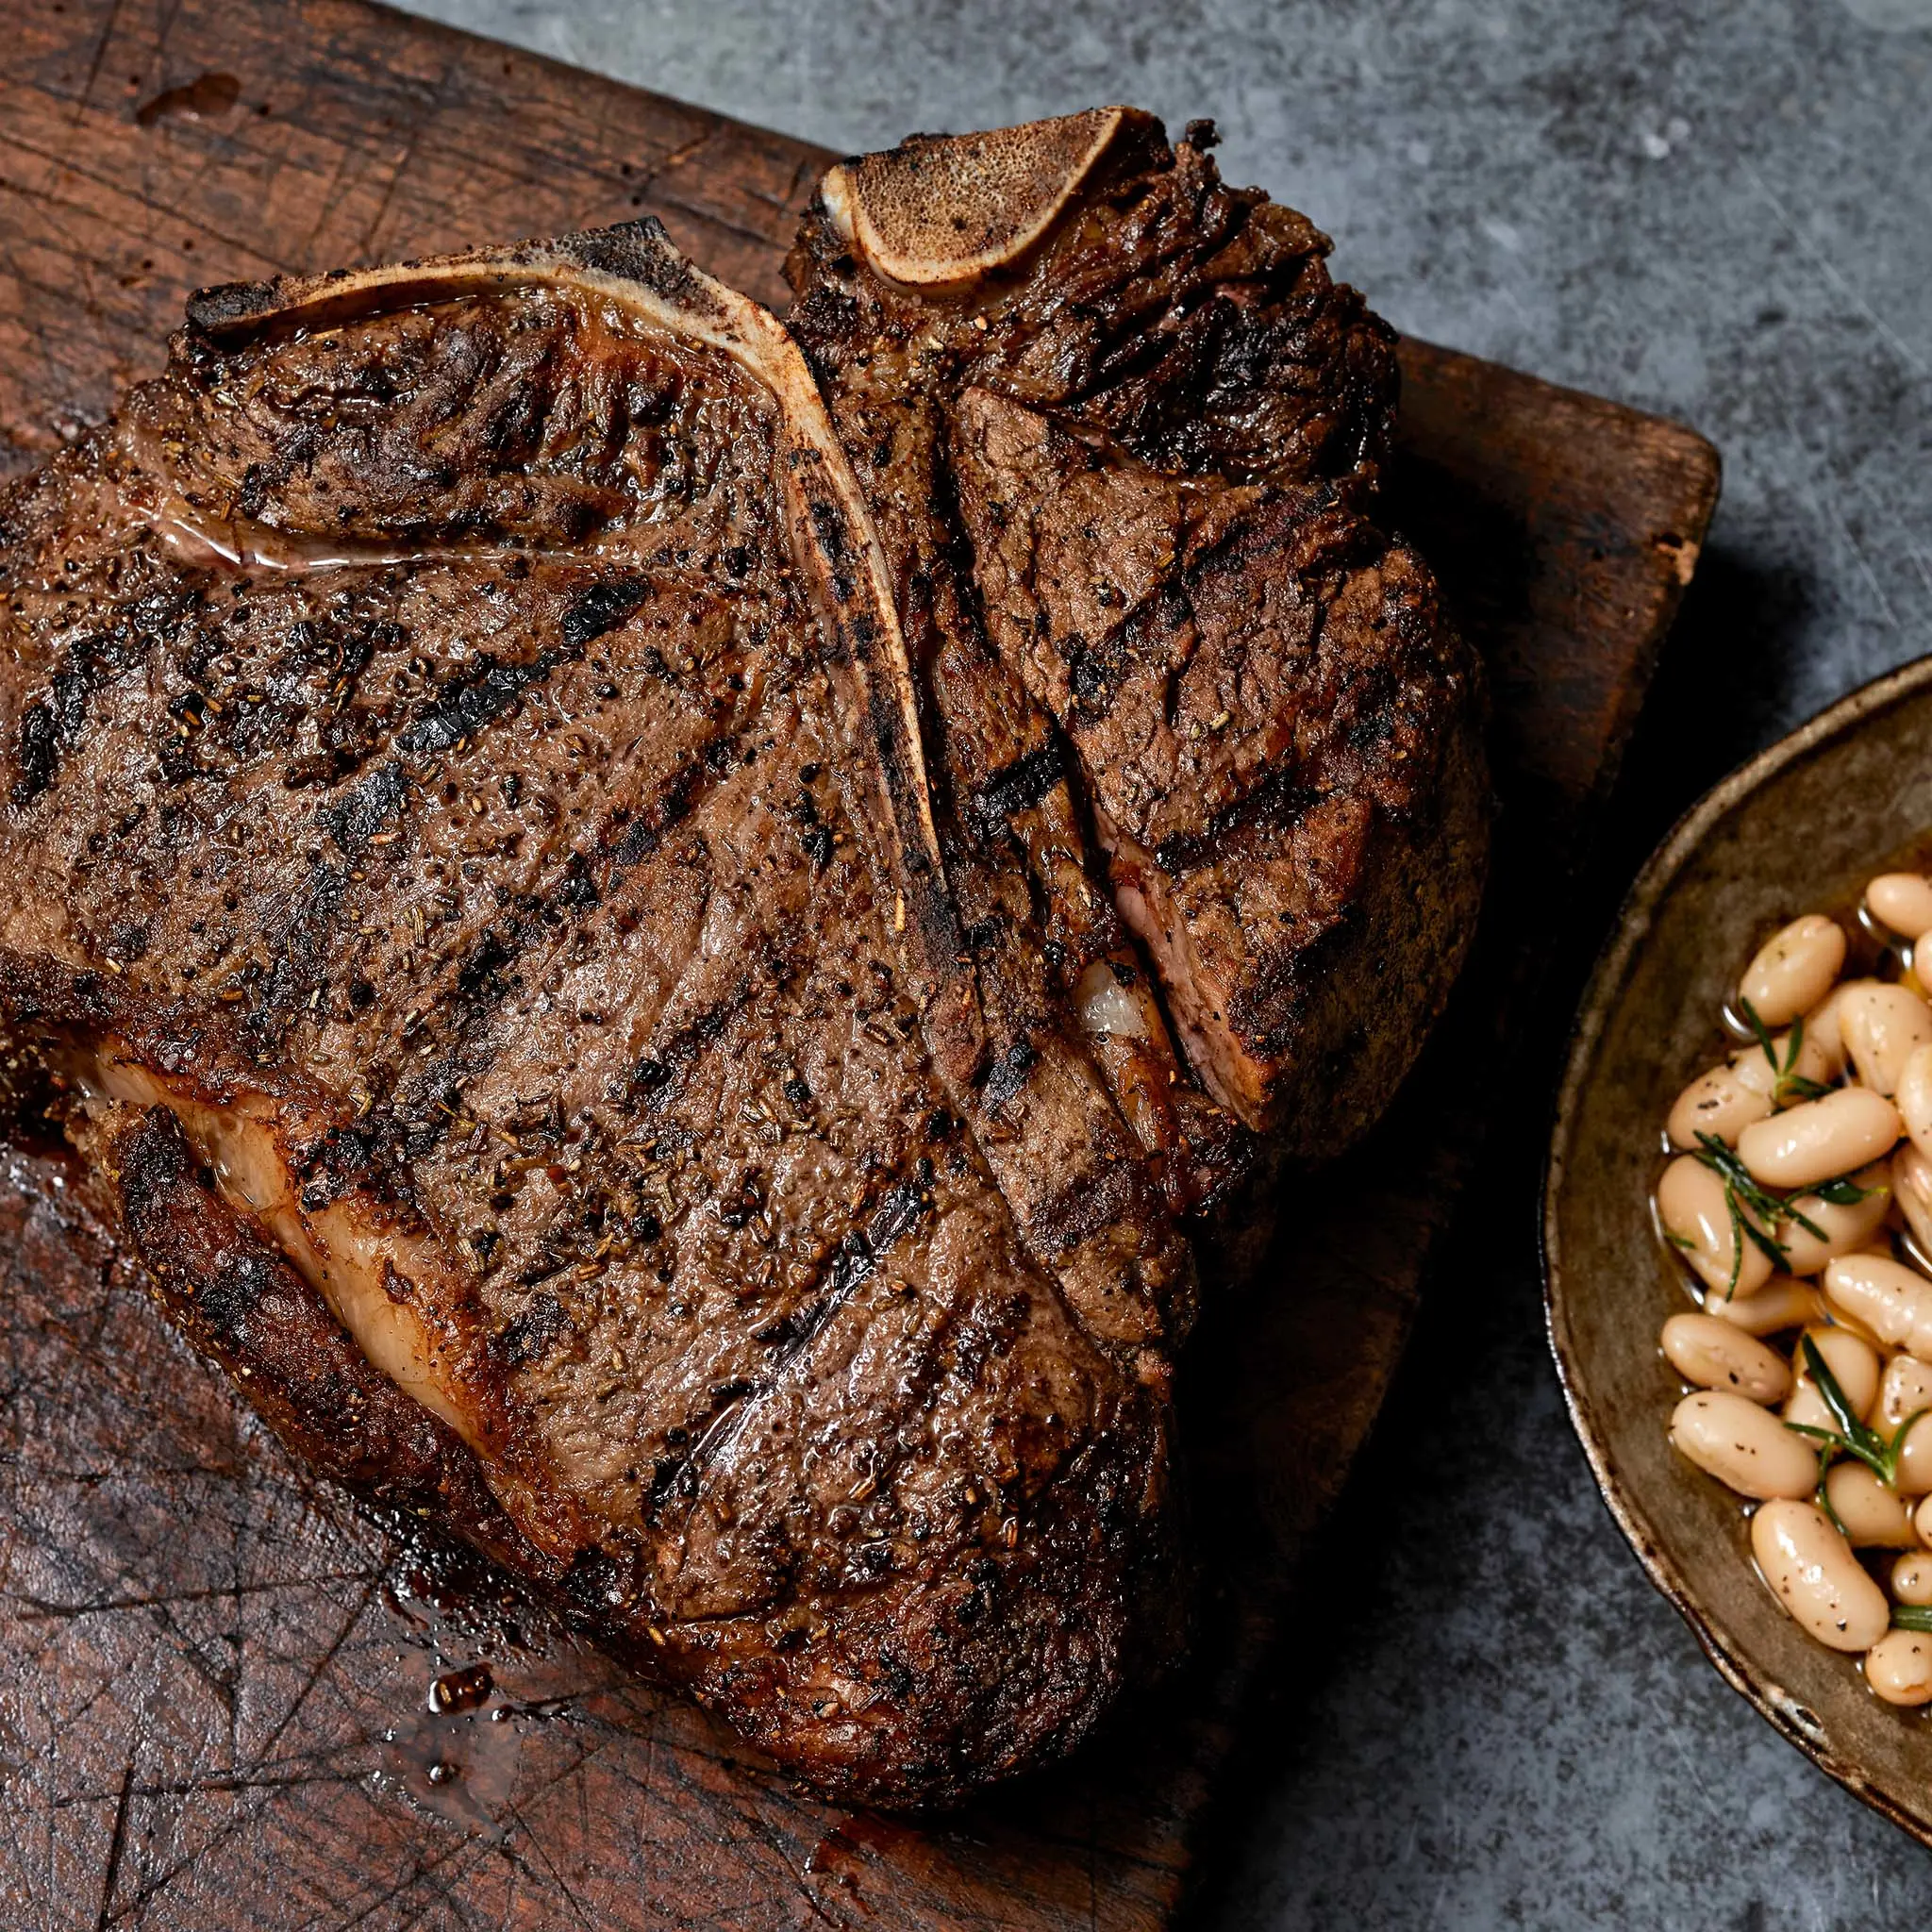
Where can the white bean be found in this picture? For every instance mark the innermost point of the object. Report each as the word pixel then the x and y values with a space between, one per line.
pixel 1780 1304
pixel 1911 1188
pixel 1915 1456
pixel 1836 1317
pixel 1911 1578
pixel 1718 1102
pixel 1846 1230
pixel 1691 1203
pixel 1899 1667
pixel 1754 1070
pixel 1882 1026
pixel 1820 1139
pixel 1914 1097
pixel 1724 1100
pixel 1921 1519
pixel 1854 1365
pixel 1905 1389
pixel 1903 1392
pixel 1895 1302
pixel 1901 901
pixel 1744 1446
pixel 1811 1570
pixel 1825 1045
pixel 1873 1516
pixel 1794 970
pixel 1719 1355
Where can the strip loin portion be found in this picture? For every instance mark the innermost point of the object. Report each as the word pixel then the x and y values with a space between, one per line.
pixel 475 887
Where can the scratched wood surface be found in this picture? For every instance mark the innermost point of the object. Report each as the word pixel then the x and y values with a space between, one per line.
pixel 212 1671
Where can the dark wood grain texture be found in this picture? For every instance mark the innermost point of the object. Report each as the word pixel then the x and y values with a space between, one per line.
pixel 212 1672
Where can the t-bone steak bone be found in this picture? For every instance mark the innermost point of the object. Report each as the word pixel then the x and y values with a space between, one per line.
pixel 563 925
pixel 1120 433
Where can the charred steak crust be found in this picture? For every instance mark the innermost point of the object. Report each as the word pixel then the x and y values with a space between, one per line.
pixel 575 877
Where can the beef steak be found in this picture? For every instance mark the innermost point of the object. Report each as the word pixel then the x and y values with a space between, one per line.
pixel 600 887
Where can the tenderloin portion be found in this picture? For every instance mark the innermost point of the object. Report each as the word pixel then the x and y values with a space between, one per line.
pixel 1131 456
pixel 472 876
pixel 1275 726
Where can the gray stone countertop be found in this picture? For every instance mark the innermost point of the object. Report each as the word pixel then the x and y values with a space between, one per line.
pixel 1723 212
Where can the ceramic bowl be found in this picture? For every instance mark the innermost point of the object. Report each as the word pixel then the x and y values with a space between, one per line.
pixel 1799 828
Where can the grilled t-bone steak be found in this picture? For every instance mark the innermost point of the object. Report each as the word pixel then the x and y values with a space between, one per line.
pixel 551 888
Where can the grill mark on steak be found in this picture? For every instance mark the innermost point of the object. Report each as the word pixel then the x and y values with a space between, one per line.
pixel 38 753
pixel 374 805
pixel 302 943
pixel 1278 800
pixel 600 608
pixel 858 1257
pixel 657 1078
pixel 1009 1074
pixel 675 802
pixel 1020 786
pixel 54 724
pixel 466 705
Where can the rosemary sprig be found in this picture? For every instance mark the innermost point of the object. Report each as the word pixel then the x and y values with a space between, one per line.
pixel 1738 1181
pixel 1787 1084
pixel 1761 1031
pixel 1880 1454
pixel 1845 1191
pixel 1821 1495
pixel 1911 1617
pixel 1747 1205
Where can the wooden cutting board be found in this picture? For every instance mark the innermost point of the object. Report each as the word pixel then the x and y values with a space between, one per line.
pixel 212 1672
